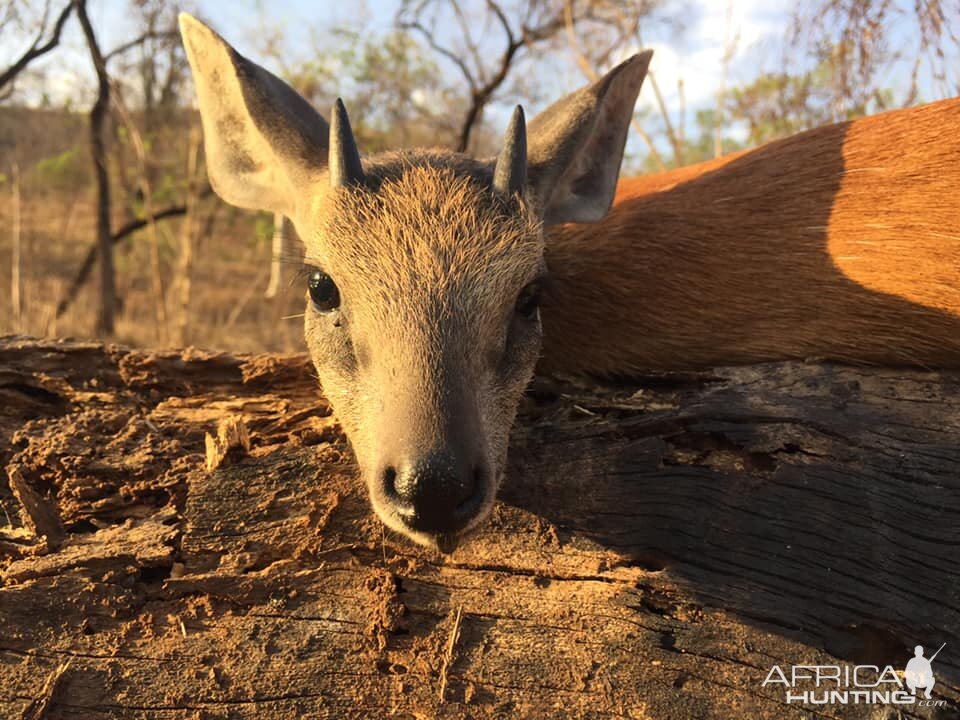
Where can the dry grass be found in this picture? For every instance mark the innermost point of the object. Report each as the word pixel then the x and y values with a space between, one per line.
pixel 228 310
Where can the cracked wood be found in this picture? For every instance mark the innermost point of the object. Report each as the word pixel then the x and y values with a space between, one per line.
pixel 657 547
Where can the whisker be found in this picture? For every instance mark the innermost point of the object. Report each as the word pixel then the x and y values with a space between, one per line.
pixel 291 317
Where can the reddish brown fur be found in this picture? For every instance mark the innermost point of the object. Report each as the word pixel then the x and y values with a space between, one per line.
pixel 842 243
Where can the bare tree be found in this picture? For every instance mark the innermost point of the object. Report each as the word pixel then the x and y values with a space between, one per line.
pixel 98 147
pixel 154 62
pixel 523 27
pixel 149 73
pixel 859 41
pixel 99 119
pixel 590 71
pixel 15 264
pixel 729 48
pixel 40 46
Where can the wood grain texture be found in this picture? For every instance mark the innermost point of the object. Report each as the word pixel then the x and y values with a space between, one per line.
pixel 657 548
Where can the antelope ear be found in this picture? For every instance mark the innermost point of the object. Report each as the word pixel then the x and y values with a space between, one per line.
pixel 576 145
pixel 263 141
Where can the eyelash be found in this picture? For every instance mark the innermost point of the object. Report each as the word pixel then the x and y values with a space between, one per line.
pixel 304 271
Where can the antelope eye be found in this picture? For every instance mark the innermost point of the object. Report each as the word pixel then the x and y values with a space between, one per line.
pixel 323 292
pixel 528 302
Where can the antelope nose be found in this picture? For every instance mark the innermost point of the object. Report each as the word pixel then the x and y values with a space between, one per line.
pixel 436 493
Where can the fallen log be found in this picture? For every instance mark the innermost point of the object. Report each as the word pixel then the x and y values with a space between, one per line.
pixel 656 550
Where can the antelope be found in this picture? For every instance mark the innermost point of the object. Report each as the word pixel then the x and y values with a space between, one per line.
pixel 428 269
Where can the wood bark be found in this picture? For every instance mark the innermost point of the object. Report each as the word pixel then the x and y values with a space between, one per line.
pixel 656 548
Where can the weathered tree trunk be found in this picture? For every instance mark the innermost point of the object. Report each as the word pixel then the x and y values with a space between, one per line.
pixel 655 551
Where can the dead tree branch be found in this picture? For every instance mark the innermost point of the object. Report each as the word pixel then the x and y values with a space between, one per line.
pixel 90 259
pixel 98 147
pixel 486 47
pixel 140 40
pixel 38 48
pixel 482 82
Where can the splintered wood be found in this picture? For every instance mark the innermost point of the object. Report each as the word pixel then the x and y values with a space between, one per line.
pixel 231 443
pixel 654 551
pixel 38 707
pixel 39 513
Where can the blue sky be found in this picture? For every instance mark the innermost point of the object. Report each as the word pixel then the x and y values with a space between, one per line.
pixel 695 55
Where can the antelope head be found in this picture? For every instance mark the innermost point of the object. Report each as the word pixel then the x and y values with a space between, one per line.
pixel 424 268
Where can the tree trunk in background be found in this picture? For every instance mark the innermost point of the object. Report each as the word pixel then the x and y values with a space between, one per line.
pixel 187 232
pixel 15 299
pixel 146 190
pixel 98 116
pixel 282 232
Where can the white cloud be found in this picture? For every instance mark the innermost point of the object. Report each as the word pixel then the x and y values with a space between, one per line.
pixel 699 62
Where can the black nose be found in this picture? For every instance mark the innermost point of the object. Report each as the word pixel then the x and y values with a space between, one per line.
pixel 436 493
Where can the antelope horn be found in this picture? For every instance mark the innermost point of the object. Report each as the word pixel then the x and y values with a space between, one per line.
pixel 344 158
pixel 510 173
